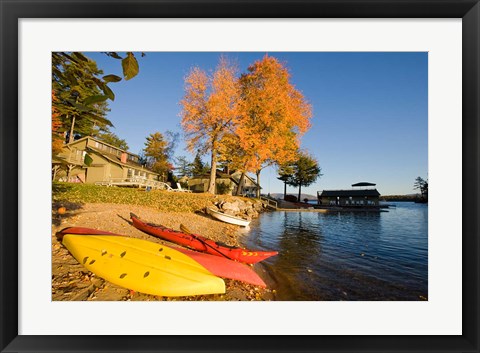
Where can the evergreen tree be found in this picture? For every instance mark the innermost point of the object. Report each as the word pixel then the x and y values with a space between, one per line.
pixel 184 167
pixel 285 173
pixel 142 159
pixel 82 92
pixel 112 139
pixel 198 167
pixel 155 152
pixel 57 141
pixel 421 185
pixel 158 150
pixel 76 80
pixel 305 172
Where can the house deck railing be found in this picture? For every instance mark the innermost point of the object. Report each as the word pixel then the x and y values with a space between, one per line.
pixel 269 202
pixel 135 182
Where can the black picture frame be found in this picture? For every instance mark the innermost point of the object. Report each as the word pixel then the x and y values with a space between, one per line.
pixel 12 11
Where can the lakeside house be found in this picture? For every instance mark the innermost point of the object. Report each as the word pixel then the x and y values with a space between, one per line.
pixel 226 183
pixel 88 160
pixel 368 195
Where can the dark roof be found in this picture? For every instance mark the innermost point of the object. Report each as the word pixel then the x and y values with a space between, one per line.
pixel 363 183
pixel 99 141
pixel 348 193
pixel 246 176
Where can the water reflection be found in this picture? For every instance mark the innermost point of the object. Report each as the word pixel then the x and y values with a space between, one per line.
pixel 346 256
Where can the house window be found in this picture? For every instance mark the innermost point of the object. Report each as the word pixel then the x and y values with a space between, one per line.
pixel 76 154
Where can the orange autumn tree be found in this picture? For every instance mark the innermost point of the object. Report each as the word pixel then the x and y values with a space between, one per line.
pixel 273 116
pixel 209 111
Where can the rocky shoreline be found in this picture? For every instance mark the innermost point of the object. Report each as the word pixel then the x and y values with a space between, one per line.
pixel 240 208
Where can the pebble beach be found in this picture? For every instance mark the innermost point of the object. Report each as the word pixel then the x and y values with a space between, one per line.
pixel 73 282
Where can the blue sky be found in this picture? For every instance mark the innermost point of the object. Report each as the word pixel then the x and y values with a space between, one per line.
pixel 370 111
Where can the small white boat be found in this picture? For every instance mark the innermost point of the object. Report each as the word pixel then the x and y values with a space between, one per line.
pixel 227 218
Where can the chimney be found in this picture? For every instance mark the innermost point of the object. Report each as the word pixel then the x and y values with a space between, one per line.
pixel 123 157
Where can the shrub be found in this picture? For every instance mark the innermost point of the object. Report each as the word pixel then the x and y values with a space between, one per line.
pixel 223 188
pixel 290 198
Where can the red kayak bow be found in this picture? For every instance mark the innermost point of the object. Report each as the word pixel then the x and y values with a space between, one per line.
pixel 199 243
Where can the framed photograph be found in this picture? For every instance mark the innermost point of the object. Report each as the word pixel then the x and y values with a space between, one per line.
pixel 397 77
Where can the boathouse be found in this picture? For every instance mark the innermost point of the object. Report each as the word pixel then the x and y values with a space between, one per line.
pixel 362 194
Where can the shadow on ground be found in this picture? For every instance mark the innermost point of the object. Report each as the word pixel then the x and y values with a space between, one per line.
pixel 62 210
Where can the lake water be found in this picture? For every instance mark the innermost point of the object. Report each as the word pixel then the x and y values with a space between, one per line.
pixel 345 255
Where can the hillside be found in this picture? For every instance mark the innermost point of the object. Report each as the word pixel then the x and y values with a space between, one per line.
pixel 304 196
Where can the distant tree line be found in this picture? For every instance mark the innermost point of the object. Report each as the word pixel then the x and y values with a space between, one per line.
pixel 419 184
pixel 406 198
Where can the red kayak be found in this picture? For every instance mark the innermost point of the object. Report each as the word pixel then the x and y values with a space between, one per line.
pixel 199 243
pixel 219 266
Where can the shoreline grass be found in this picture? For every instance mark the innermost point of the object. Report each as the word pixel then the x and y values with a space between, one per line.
pixel 70 193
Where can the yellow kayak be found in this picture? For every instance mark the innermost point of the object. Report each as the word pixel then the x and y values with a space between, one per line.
pixel 142 265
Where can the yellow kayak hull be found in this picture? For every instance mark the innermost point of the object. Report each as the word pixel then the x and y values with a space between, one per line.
pixel 142 265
